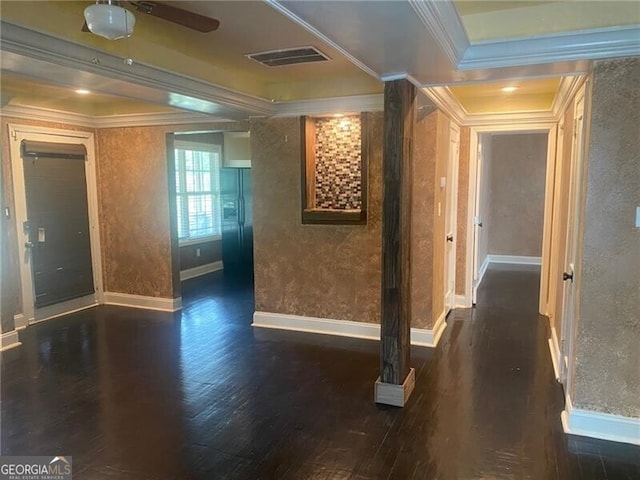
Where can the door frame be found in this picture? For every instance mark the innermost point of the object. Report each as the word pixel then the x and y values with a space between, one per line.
pixel 574 244
pixel 472 238
pixel 451 202
pixel 17 133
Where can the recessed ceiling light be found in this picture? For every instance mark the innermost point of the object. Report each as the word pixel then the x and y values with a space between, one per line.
pixel 82 91
pixel 509 89
pixel 338 115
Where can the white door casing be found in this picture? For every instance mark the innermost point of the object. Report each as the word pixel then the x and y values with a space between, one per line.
pixel 571 274
pixel 451 199
pixel 547 232
pixel 475 166
pixel 18 133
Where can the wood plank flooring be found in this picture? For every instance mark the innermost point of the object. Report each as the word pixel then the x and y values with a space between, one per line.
pixel 134 394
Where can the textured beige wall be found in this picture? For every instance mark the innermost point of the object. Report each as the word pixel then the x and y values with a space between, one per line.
pixel 422 225
pixel 332 271
pixel 327 271
pixel 11 291
pixel 463 210
pixel 439 216
pixel 134 211
pixel 517 183
pixel 607 367
pixel 133 195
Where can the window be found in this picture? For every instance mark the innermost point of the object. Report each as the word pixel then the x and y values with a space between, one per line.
pixel 197 190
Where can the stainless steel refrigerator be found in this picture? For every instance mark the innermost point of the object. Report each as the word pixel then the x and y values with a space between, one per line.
pixel 237 221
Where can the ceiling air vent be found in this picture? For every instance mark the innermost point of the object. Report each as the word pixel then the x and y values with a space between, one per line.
pixel 289 56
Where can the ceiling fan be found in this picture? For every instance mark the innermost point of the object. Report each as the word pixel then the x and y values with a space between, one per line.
pixel 109 18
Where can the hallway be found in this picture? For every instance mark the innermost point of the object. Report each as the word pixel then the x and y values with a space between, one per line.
pixel 135 394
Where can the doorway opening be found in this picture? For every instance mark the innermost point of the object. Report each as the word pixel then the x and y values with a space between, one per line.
pixel 509 198
pixel 211 199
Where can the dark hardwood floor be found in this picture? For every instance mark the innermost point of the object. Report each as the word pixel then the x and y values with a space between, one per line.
pixel 134 394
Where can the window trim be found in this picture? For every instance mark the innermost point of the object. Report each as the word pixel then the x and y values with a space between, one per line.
pixel 180 170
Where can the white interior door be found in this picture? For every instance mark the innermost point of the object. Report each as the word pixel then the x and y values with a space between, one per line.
pixel 571 270
pixel 451 192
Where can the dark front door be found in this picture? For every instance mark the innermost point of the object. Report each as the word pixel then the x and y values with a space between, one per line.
pixel 58 222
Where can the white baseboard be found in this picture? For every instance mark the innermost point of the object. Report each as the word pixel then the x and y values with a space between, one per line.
pixel 428 338
pixel 200 270
pixel 343 328
pixel 9 340
pixel 462 301
pixel 483 270
pixel 20 321
pixel 554 349
pixel 140 301
pixel 605 426
pixel 515 259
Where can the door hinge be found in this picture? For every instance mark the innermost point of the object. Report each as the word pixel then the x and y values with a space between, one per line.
pixel 14 135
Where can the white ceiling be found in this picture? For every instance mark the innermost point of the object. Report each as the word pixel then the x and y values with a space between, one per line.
pixel 368 41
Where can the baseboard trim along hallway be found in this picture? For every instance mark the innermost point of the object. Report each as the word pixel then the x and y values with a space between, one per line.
pixel 554 349
pixel 9 340
pixel 140 301
pixel 200 270
pixel 604 426
pixel 514 259
pixel 344 328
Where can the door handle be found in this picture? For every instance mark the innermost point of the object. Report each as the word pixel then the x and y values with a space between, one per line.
pixel 567 276
pixel 449 238
pixel 28 245
pixel 480 224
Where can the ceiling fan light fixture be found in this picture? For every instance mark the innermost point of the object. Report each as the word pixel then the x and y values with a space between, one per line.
pixel 109 20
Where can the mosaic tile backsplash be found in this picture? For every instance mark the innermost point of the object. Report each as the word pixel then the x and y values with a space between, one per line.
pixel 338 172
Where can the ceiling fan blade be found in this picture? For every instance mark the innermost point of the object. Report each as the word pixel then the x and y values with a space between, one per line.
pixel 177 15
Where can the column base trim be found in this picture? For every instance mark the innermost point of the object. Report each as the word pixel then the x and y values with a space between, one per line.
pixel 395 395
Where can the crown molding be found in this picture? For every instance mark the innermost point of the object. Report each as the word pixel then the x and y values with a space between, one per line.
pixel 448 103
pixel 108 121
pixel 534 119
pixel 323 106
pixel 561 47
pixel 444 25
pixel 57 51
pixel 47 115
pixel 445 101
pixel 313 30
pixel 390 77
pixel 567 90
pixel 155 119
